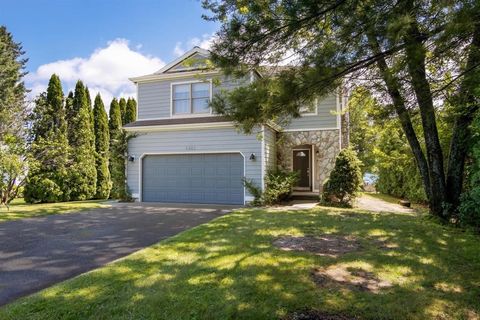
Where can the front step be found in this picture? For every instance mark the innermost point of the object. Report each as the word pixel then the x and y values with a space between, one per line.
pixel 305 196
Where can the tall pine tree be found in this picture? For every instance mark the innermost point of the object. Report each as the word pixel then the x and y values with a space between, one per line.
pixel 123 108
pixel 12 88
pixel 117 161
pixel 131 112
pixel 81 139
pixel 13 111
pixel 48 175
pixel 102 144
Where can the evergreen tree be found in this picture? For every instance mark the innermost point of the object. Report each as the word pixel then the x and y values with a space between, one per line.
pixel 83 173
pixel 131 112
pixel 115 118
pixel 123 109
pixel 13 111
pixel 90 108
pixel 12 89
pixel 89 100
pixel 69 115
pixel 117 161
pixel 48 175
pixel 102 143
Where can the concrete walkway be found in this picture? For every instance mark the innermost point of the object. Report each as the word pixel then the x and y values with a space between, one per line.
pixel 36 253
pixel 366 202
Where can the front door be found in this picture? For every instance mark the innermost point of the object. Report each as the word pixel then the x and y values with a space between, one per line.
pixel 301 164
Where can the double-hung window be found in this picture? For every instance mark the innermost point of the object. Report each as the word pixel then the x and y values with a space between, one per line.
pixel 309 109
pixel 191 98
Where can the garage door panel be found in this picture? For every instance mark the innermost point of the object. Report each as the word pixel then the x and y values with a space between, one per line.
pixel 194 178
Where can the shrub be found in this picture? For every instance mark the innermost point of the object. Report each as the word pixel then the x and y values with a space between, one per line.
pixel 278 185
pixel 254 190
pixel 469 210
pixel 40 189
pixel 345 180
pixel 126 195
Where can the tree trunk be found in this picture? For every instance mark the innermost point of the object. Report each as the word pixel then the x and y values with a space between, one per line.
pixel 393 89
pixel 415 54
pixel 461 132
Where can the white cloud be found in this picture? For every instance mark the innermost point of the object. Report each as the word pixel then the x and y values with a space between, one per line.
pixel 205 42
pixel 105 71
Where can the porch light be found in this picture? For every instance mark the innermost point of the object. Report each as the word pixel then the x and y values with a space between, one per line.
pixel 301 154
pixel 131 158
pixel 252 157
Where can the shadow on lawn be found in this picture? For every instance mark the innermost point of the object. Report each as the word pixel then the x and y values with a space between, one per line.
pixel 228 269
pixel 20 210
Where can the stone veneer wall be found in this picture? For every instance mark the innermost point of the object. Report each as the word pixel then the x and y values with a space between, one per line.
pixel 345 122
pixel 326 147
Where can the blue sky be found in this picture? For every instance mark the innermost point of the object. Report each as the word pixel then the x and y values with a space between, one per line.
pixel 103 42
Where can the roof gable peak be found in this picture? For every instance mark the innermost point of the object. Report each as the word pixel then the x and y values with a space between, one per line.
pixel 190 53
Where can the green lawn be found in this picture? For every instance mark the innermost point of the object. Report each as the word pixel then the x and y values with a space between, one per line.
pixel 229 269
pixel 20 210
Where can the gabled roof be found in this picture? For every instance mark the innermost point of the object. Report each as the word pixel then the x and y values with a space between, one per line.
pixel 176 68
pixel 194 51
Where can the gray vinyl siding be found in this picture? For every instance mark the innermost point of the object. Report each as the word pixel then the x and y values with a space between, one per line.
pixel 154 97
pixel 325 118
pixel 154 100
pixel 270 157
pixel 194 141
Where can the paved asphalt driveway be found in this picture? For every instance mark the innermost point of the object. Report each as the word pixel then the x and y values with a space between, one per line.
pixel 36 253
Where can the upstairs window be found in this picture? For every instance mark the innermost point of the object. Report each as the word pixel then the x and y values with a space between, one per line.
pixel 309 109
pixel 191 98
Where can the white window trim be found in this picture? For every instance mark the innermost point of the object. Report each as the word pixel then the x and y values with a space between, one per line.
pixel 309 114
pixel 190 115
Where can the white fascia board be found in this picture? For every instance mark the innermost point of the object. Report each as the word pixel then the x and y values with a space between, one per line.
pixel 173 127
pixel 167 76
pixel 184 56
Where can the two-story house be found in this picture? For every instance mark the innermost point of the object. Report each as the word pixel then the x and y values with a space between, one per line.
pixel 183 152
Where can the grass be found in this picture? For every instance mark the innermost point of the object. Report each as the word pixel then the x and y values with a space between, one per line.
pixel 228 269
pixel 20 210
